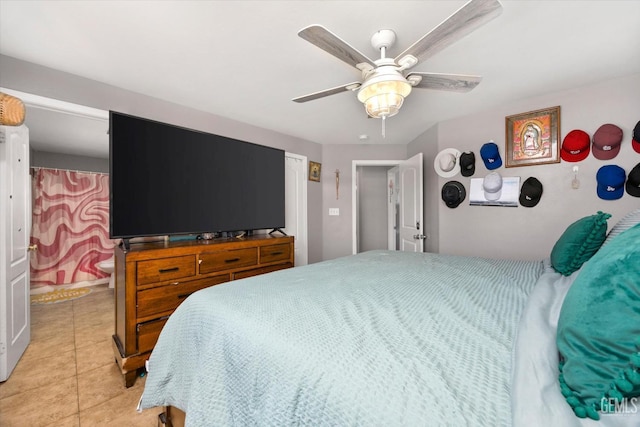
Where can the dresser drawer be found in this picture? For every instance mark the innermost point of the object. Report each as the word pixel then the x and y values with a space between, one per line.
pixel 227 260
pixel 148 334
pixel 274 253
pixel 160 270
pixel 261 270
pixel 166 298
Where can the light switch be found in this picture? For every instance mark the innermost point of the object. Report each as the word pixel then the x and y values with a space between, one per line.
pixel 334 211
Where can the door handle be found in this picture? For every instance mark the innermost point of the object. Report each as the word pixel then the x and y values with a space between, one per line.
pixel 33 248
pixel 419 236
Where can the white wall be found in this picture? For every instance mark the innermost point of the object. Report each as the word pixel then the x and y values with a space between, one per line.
pixel 67 161
pixel 529 233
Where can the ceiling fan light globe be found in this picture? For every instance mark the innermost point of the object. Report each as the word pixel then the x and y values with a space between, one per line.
pixel 383 98
pixel 383 105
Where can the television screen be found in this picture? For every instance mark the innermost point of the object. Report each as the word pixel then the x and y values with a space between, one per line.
pixel 167 180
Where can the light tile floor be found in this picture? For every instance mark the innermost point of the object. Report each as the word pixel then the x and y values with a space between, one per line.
pixel 68 375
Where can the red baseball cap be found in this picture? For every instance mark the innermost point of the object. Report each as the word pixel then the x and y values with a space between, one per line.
pixel 606 142
pixel 576 146
pixel 635 142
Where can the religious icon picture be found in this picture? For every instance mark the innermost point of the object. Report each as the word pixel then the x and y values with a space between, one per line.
pixel 314 171
pixel 532 138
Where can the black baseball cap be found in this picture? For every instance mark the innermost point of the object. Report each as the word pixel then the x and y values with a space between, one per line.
pixel 453 193
pixel 633 181
pixel 531 192
pixel 467 163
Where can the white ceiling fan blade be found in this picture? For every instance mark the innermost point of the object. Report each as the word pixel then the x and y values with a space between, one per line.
pixel 466 19
pixel 448 82
pixel 327 92
pixel 329 42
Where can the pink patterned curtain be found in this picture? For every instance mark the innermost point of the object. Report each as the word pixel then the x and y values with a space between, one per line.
pixel 70 226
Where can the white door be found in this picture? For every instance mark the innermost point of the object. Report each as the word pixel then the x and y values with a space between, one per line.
pixel 15 226
pixel 411 205
pixel 295 178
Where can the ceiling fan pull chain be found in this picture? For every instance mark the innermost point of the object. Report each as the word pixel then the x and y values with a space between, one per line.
pixel 383 129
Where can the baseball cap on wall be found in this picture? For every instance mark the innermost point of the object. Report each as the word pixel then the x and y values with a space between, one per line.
pixel 633 182
pixel 575 146
pixel 491 155
pixel 610 180
pixel 635 142
pixel 606 142
pixel 453 193
pixel 531 192
pixel 467 163
pixel 492 186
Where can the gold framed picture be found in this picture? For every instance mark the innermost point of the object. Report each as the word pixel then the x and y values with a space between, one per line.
pixel 532 138
pixel 314 171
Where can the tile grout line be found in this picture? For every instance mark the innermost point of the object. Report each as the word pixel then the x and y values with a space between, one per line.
pixel 75 354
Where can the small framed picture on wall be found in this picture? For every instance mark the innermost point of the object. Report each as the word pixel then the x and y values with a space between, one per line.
pixel 314 171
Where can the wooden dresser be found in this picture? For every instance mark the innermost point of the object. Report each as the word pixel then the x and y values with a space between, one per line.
pixel 152 279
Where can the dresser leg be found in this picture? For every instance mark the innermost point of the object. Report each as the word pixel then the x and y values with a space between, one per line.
pixel 130 378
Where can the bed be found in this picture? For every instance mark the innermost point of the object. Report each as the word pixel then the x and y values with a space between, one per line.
pixel 379 338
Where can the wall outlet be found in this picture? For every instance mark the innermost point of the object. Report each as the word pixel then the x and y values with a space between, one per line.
pixel 334 211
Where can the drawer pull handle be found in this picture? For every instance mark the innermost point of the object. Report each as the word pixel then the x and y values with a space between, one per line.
pixel 168 270
pixel 229 261
pixel 276 253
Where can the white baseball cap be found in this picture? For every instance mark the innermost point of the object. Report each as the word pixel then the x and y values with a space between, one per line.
pixel 492 186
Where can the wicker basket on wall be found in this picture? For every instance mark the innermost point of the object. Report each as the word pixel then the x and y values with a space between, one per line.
pixel 11 110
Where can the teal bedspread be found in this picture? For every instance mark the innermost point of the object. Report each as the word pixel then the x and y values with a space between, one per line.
pixel 376 339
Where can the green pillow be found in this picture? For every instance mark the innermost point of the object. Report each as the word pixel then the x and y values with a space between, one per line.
pixel 599 330
pixel 579 242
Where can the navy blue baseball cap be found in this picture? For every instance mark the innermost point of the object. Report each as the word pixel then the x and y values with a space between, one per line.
pixel 610 180
pixel 491 155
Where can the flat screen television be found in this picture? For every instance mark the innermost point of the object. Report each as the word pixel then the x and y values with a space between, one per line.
pixel 169 180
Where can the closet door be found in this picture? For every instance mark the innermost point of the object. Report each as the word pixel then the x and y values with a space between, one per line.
pixel 296 204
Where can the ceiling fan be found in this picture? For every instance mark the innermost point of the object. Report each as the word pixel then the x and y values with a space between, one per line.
pixel 386 81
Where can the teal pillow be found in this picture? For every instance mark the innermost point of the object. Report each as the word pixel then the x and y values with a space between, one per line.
pixel 579 242
pixel 598 333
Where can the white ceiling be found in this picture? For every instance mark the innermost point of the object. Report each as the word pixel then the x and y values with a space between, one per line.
pixel 244 60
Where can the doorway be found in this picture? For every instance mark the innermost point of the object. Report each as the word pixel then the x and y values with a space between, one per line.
pixel 387 205
pixel 376 208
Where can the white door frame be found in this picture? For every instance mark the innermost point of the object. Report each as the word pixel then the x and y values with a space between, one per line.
pixel 301 238
pixel 354 194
